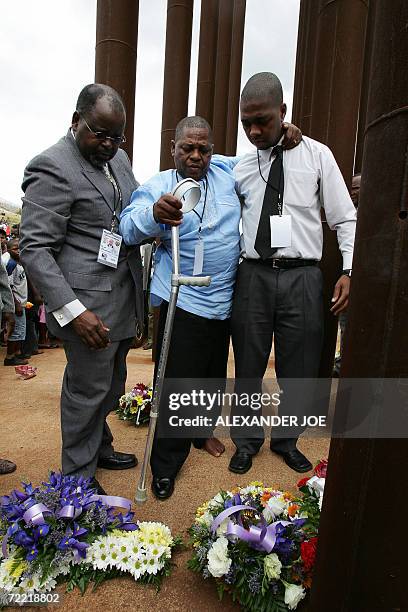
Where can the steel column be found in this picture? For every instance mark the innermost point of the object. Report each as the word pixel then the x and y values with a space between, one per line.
pixel 362 117
pixel 116 54
pixel 305 64
pixel 334 109
pixel 300 63
pixel 222 73
pixel 368 557
pixel 176 73
pixel 237 43
pixel 207 59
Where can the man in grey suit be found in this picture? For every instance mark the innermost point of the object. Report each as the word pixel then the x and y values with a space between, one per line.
pixel 91 283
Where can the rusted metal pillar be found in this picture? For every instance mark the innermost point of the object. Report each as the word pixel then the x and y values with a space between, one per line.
pixel 116 54
pixel 362 118
pixel 176 73
pixel 300 63
pixel 234 89
pixel 222 74
pixel 305 65
pixel 336 95
pixel 368 554
pixel 207 55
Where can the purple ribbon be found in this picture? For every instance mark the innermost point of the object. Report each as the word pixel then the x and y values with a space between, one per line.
pixel 37 513
pixel 261 538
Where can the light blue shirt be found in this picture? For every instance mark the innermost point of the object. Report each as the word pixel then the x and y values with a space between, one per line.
pixel 219 232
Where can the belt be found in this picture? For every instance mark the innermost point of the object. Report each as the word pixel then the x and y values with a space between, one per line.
pixel 286 264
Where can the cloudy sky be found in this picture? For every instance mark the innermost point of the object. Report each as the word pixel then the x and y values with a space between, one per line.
pixel 47 53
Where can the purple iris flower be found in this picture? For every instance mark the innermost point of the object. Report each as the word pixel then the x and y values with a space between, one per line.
pixel 32 554
pixel 126 522
pixel 21 538
pixel 40 531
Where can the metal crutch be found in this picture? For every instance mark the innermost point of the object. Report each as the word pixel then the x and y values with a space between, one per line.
pixel 188 191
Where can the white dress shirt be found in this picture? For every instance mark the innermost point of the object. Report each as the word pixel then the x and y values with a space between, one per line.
pixel 312 179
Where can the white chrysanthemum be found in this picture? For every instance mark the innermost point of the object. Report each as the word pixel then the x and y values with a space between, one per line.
pixel 100 559
pixel 218 561
pixel 152 565
pixel 157 531
pixel 275 507
pixel 155 550
pixel 48 586
pixel 251 490
pixel 136 567
pixel 125 563
pixel 205 519
pixel 30 584
pixel 216 501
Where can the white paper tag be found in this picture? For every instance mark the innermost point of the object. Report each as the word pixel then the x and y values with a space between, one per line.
pixel 281 231
pixel 109 249
pixel 198 257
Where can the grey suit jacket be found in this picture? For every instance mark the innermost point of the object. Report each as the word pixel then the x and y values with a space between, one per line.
pixel 67 204
pixel 6 297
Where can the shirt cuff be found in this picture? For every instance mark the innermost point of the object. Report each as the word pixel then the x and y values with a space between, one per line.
pixel 69 312
pixel 347 261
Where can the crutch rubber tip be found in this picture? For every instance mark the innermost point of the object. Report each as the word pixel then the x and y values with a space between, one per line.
pixel 141 496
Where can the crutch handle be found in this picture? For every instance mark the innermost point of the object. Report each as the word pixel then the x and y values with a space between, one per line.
pixel 194 281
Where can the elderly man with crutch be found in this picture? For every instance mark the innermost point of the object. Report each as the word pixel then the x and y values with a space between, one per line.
pixel 209 246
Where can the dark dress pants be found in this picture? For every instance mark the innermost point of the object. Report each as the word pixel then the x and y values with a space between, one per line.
pixel 198 349
pixel 285 306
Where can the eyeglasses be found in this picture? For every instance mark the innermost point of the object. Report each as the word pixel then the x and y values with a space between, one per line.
pixel 117 140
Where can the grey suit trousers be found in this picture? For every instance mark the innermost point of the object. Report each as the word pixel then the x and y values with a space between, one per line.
pixel 93 382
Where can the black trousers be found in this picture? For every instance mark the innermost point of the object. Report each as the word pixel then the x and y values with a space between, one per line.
pixel 198 349
pixel 285 306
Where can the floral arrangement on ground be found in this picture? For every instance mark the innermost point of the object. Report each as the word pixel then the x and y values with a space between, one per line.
pixel 62 531
pixel 259 543
pixel 135 406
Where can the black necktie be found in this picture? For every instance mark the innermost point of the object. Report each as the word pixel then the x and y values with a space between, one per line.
pixel 274 188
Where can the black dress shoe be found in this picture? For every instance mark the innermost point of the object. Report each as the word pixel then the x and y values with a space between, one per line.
pixel 162 487
pixel 99 490
pixel 117 461
pixel 240 462
pixel 295 460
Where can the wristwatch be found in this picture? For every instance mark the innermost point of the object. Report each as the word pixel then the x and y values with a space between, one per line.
pixel 347 272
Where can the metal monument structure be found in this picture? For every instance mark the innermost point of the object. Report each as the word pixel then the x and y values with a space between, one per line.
pixel 350 93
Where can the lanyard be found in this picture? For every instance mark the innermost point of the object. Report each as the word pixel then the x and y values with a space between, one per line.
pixel 117 196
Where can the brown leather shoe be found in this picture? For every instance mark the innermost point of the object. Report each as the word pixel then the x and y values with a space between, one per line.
pixel 6 466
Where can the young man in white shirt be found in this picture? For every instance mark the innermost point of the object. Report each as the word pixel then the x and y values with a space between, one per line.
pixel 278 293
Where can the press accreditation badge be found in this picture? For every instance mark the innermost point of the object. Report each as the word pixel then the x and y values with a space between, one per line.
pixel 109 249
pixel 281 231
pixel 198 258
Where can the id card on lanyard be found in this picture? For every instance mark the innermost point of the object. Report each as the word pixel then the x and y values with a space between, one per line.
pixel 109 247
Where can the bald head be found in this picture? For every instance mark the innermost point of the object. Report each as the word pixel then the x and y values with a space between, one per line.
pixel 263 110
pixel 90 95
pixel 263 85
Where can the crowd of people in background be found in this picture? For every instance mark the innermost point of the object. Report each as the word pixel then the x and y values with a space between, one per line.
pixel 27 335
